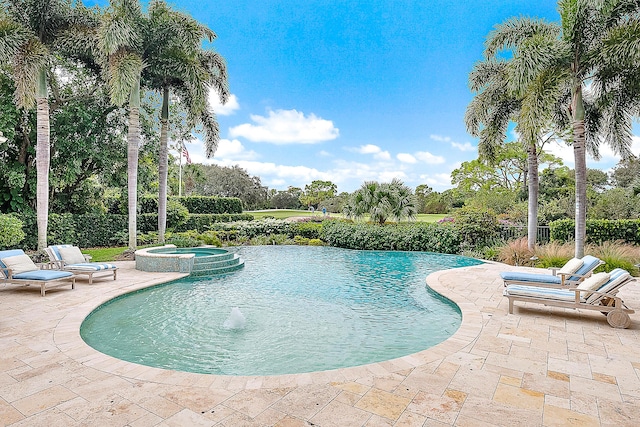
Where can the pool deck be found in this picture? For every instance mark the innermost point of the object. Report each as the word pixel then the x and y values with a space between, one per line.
pixel 538 367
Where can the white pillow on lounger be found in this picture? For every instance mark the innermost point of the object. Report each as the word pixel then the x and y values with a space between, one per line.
pixel 71 255
pixel 594 282
pixel 571 266
pixel 19 264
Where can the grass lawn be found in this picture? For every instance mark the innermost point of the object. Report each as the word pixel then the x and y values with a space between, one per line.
pixel 104 254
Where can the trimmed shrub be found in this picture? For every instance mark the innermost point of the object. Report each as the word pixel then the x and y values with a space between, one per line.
pixel 419 236
pixel 598 230
pixel 195 204
pixel 11 233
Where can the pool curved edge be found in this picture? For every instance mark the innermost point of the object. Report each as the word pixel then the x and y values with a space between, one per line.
pixel 67 338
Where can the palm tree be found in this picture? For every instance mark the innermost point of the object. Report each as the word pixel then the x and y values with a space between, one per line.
pixel 120 40
pixel 560 63
pixel 31 33
pixel 488 115
pixel 178 64
pixel 382 201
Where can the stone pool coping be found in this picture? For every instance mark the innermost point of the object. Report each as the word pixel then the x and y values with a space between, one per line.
pixel 539 366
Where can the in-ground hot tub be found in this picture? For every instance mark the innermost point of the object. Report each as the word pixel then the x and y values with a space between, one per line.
pixel 203 260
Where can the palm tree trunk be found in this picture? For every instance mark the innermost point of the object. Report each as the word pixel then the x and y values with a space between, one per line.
pixel 133 139
pixel 42 170
pixel 579 153
pixel 532 173
pixel 42 160
pixel 163 166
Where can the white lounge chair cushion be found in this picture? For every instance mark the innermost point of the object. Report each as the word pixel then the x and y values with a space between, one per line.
pixel 71 255
pixel 552 294
pixel 593 283
pixel 19 264
pixel 609 286
pixel 571 266
pixel 91 266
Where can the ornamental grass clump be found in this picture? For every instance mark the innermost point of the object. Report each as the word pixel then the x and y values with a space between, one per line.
pixel 517 252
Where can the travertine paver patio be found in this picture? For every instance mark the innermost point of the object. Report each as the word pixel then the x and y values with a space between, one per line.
pixel 539 366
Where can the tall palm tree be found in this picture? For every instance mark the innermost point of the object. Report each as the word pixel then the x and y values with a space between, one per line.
pixel 562 62
pixel 30 34
pixel 488 115
pixel 179 66
pixel 120 40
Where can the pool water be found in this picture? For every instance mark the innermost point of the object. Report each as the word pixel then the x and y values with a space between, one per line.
pixel 306 309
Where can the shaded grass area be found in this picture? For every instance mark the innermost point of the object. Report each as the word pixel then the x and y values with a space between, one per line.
pixel 104 254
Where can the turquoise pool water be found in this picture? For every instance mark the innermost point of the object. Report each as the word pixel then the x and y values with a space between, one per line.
pixel 306 309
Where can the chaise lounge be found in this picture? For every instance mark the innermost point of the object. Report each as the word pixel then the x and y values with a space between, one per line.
pixel 69 258
pixel 16 268
pixel 598 292
pixel 572 273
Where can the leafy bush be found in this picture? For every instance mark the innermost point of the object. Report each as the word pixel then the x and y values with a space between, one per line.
pixel 477 227
pixel 251 229
pixel 11 233
pixel 301 241
pixel 407 237
pixel 310 230
pixel 177 214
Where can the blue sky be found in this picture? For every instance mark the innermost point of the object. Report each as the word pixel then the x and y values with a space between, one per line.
pixel 350 91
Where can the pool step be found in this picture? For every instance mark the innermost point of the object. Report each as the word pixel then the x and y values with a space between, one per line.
pixel 216 264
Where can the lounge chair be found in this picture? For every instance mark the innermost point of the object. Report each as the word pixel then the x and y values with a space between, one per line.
pixel 572 273
pixel 69 258
pixel 17 268
pixel 595 293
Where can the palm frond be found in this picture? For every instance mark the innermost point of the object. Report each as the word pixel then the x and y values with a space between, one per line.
pixel 32 58
pixel 510 34
pixel 125 69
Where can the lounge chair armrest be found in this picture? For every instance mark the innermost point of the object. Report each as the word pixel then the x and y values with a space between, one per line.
pixel 554 270
pixel 56 265
pixel 87 257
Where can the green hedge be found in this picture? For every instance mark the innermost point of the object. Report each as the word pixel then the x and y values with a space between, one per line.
pixel 199 222
pixel 598 230
pixel 430 237
pixel 96 230
pixel 195 204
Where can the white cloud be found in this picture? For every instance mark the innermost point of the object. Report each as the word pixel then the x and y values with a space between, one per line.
pixel 270 172
pixel 426 157
pixel 372 149
pixel 406 158
pixel 463 147
pixel 229 108
pixel 233 149
pixel 286 127
pixel 438 181
pixel 466 146
pixel 440 138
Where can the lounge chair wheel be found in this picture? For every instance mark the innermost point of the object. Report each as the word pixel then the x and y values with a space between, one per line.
pixel 618 319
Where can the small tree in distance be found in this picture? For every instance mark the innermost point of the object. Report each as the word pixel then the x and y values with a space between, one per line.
pixel 382 201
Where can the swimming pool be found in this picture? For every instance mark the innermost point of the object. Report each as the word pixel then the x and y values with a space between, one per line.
pixel 306 309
